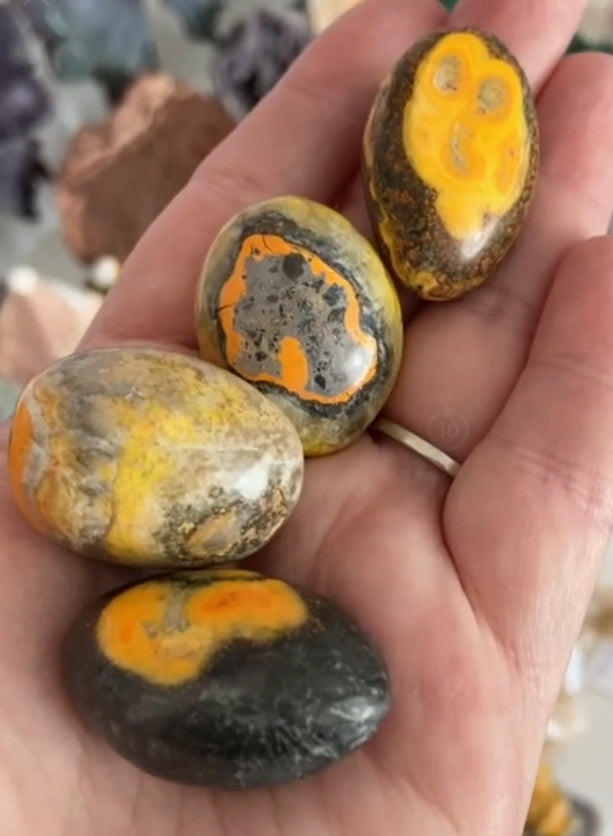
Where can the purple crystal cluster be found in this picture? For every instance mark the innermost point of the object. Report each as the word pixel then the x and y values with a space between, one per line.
pixel 23 100
pixel 255 55
pixel 24 104
pixel 111 42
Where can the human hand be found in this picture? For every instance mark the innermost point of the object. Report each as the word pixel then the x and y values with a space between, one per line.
pixel 474 590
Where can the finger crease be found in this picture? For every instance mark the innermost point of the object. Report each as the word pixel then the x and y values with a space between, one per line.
pixel 585 487
pixel 311 90
pixel 497 305
pixel 574 368
pixel 235 188
pixel 584 189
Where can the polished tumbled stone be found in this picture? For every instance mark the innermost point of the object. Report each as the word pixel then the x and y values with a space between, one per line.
pixel 450 157
pixel 224 678
pixel 153 459
pixel 294 300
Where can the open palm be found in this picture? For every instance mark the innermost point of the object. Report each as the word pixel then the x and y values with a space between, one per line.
pixel 475 589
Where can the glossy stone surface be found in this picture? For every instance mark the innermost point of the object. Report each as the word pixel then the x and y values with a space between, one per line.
pixel 224 678
pixel 450 157
pixel 152 459
pixel 294 300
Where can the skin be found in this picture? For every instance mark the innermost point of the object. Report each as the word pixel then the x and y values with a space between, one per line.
pixel 475 590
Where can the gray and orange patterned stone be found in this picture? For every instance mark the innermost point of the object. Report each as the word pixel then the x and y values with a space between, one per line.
pixel 450 157
pixel 152 459
pixel 294 300
pixel 224 678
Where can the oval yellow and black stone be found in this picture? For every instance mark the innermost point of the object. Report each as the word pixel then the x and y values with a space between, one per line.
pixel 294 300
pixel 152 459
pixel 450 157
pixel 224 678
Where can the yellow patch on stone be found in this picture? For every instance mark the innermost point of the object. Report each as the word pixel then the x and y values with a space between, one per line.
pixel 167 633
pixel 465 132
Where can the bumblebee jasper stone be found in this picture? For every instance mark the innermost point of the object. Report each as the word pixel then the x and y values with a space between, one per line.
pixel 293 299
pixel 224 678
pixel 152 459
pixel 450 157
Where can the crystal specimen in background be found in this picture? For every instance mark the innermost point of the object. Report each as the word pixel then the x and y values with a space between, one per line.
pixel 117 176
pixel 53 316
pixel 323 13
pixel 20 172
pixel 199 17
pixel 23 100
pixel 24 104
pixel 108 40
pixel 258 51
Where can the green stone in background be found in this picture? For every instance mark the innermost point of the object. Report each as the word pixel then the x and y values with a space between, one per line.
pixel 578 44
pixel 8 398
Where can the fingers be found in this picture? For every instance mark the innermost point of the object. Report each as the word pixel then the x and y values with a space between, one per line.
pixel 538 33
pixel 463 358
pixel 529 515
pixel 303 139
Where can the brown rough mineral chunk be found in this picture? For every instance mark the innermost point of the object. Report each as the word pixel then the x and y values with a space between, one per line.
pixel 116 177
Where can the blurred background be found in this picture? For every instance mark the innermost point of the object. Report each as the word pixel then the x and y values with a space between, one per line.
pixel 91 94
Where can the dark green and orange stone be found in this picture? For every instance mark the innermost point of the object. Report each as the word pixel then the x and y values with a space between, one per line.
pixel 224 678
pixel 294 300
pixel 450 158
